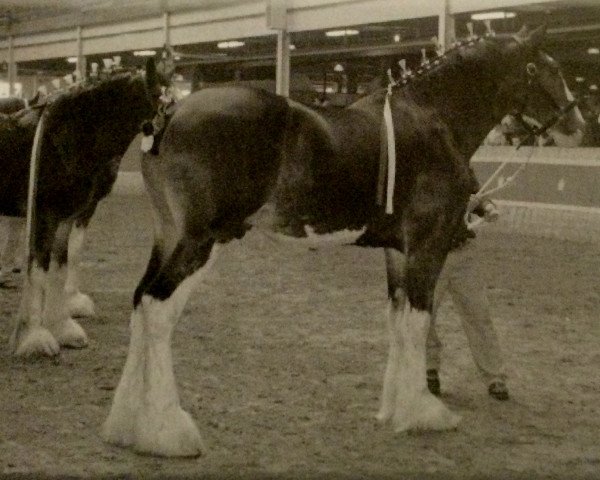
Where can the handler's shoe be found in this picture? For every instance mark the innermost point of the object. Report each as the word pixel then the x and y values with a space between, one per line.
pixel 433 382
pixel 498 390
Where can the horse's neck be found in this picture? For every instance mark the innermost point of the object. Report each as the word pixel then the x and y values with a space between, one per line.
pixel 464 102
pixel 120 120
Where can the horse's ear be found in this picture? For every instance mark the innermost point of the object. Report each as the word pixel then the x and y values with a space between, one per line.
pixel 522 34
pixel 537 36
pixel 533 38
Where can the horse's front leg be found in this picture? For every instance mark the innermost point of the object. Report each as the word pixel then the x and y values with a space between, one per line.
pixel 79 304
pixel 406 400
pixel 395 265
pixel 146 413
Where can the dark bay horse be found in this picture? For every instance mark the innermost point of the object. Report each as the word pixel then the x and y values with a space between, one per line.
pixel 234 157
pixel 85 133
pixel 16 139
pixel 17 131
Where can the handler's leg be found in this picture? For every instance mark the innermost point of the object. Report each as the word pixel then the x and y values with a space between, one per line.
pixel 471 300
pixel 434 345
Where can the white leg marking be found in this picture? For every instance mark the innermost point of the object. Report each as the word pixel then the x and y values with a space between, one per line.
pixel 414 407
pixel 29 337
pixel 67 331
pixel 390 392
pixel 78 304
pixel 147 393
pixel 119 427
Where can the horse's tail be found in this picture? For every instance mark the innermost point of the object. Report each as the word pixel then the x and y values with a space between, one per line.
pixel 34 165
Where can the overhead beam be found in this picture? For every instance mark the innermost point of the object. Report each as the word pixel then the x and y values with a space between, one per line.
pixel 105 31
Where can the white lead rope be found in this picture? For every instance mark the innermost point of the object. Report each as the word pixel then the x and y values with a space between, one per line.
pixel 484 191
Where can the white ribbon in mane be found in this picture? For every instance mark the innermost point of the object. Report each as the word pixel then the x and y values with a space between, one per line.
pixel 391 154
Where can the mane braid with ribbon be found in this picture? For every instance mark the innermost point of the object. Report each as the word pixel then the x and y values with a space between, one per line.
pixel 431 66
pixel 387 165
pixel 97 93
pixel 461 54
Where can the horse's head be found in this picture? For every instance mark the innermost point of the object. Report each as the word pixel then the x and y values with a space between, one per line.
pixel 533 86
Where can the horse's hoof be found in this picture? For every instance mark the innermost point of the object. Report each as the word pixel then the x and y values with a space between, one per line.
pixel 383 415
pixel 498 390
pixel 433 382
pixel 72 335
pixel 169 434
pixel 80 305
pixel 37 341
pixel 427 413
pixel 8 280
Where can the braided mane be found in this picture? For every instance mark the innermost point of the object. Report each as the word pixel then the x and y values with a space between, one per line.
pixel 460 51
pixel 91 94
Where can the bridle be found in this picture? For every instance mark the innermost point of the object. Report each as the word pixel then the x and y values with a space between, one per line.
pixel 533 85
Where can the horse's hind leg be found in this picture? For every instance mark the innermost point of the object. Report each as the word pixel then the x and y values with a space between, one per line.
pixel 57 317
pixel 29 335
pixel 146 413
pixel 78 304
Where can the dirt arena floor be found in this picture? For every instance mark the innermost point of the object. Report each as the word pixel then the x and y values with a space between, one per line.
pixel 280 359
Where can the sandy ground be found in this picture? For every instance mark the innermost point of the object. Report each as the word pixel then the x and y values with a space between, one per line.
pixel 280 358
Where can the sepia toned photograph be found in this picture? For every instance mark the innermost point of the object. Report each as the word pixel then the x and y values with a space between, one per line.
pixel 284 239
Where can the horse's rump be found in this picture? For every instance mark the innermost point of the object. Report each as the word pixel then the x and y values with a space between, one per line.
pixel 228 141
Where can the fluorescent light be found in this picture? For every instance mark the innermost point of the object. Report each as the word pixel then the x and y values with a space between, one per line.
pixel 342 33
pixel 397 38
pixel 493 15
pixel 579 79
pixel 594 87
pixel 292 46
pixel 231 44
pixel 72 59
pixel 144 53
pixel 593 51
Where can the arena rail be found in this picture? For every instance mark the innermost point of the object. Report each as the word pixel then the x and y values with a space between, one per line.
pixel 557 195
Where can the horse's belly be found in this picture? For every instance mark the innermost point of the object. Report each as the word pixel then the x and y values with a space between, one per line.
pixel 297 232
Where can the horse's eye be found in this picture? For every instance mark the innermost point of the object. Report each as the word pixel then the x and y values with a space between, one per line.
pixel 532 69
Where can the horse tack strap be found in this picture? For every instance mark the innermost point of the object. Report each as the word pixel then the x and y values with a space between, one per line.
pixel 387 160
pixel 152 130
